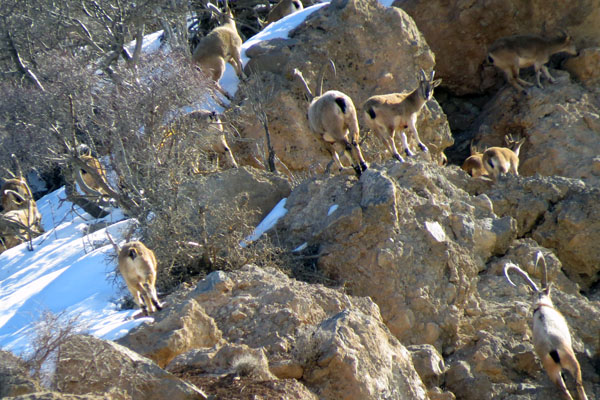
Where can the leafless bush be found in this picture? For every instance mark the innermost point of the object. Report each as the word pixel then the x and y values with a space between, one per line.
pixel 51 330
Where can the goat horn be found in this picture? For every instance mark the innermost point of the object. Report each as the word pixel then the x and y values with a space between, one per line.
pixel 523 274
pixel 539 256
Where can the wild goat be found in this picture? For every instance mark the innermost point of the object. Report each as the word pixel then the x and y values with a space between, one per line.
pixel 222 45
pixel 283 9
pixel 20 224
pixel 209 129
pixel 385 114
pixel 17 185
pixel 332 116
pixel 137 265
pixel 473 165
pixel 521 51
pixel 87 177
pixel 551 337
pixel 501 160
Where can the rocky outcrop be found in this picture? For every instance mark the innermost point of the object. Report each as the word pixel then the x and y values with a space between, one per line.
pixel 366 65
pixel 266 316
pixel 14 379
pixel 459 33
pixel 406 237
pixel 87 365
pixel 355 357
pixel 47 395
pixel 561 123
pixel 179 328
pixel 255 191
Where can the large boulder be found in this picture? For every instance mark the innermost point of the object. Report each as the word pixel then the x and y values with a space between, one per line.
pixel 348 32
pixel 178 328
pixel 460 32
pixel 87 365
pixel 14 379
pixel 403 235
pixel 355 357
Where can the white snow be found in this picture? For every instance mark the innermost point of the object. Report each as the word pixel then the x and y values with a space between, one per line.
pixel 267 223
pixel 332 209
pixel 67 271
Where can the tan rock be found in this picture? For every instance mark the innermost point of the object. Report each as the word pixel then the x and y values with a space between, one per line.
pixel 14 379
pixel 354 356
pixel 461 32
pixel 87 365
pixel 177 329
pixel 366 65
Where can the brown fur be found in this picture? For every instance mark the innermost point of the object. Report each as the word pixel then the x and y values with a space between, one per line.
pixel 389 113
pixel 501 160
pixel 27 216
pixel 332 116
pixel 137 265
pixel 512 53
pixel 283 9
pixel 222 45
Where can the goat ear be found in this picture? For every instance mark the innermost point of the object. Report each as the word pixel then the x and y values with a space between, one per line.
pixel 436 83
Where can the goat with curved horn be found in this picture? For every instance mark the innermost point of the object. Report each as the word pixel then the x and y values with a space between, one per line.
pixel 551 336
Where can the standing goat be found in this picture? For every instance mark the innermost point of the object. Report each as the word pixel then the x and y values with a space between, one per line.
pixel 385 114
pixel 332 116
pixel 283 9
pixel 222 45
pixel 551 337
pixel 473 165
pixel 501 160
pixel 137 265
pixel 512 53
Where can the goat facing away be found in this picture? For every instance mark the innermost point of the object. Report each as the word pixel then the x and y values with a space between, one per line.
pixel 386 114
pixel 473 165
pixel 332 116
pixel 21 224
pixel 283 9
pixel 222 45
pixel 137 265
pixel 512 53
pixel 551 337
pixel 501 160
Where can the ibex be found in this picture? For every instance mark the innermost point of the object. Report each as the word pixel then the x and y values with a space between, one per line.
pixel 473 165
pixel 137 265
pixel 283 9
pixel 222 45
pixel 551 337
pixel 18 185
pixel 512 53
pixel 20 224
pixel 388 113
pixel 501 160
pixel 84 178
pixel 209 129
pixel 332 116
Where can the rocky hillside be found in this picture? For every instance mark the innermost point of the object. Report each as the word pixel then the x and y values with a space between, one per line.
pixel 415 304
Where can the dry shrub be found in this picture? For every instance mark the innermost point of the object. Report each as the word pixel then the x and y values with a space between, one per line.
pixel 51 330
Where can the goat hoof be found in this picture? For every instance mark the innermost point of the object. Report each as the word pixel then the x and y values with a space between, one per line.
pixel 423 148
pixel 363 166
pixel 409 153
pixel 398 157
